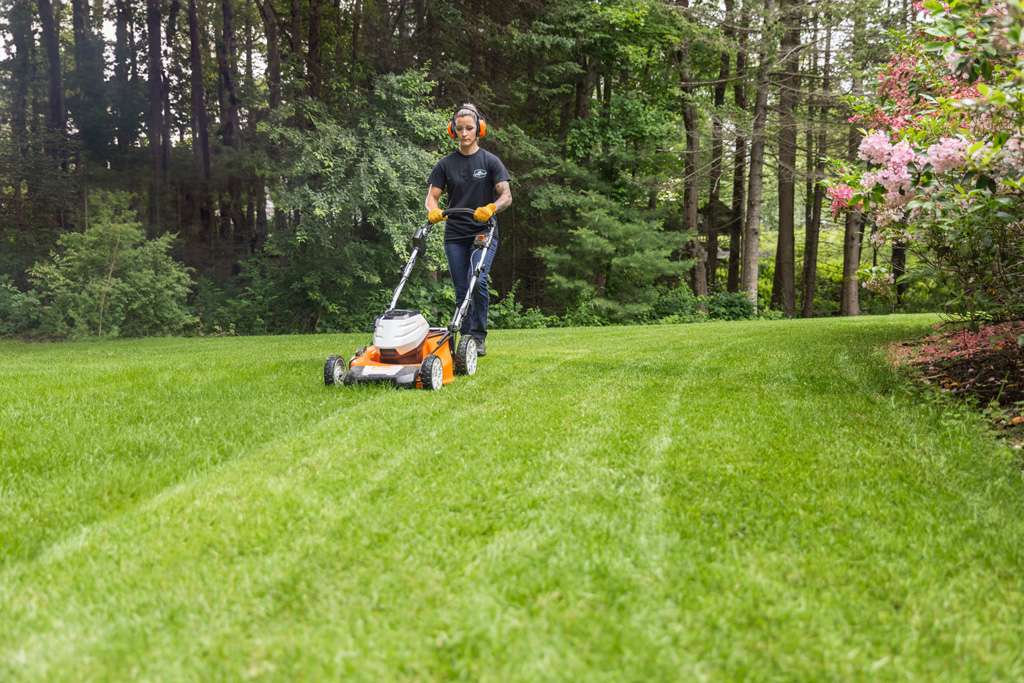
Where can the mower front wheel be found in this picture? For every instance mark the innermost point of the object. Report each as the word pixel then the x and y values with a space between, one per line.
pixel 432 373
pixel 465 357
pixel 335 370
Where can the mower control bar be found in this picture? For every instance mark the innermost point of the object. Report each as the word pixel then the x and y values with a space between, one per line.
pixel 419 240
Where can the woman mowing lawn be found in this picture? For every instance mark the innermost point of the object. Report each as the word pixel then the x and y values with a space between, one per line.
pixel 473 178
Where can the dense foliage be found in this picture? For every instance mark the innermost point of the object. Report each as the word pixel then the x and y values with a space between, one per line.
pixel 110 280
pixel 941 169
pixel 287 145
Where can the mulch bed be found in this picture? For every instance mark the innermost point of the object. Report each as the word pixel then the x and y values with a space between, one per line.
pixel 984 367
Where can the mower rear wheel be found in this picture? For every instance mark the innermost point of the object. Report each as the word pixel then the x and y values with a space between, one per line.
pixel 432 373
pixel 465 357
pixel 335 370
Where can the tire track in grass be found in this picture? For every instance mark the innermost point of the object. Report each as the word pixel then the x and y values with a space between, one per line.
pixel 609 477
pixel 83 547
pixel 84 544
pixel 106 426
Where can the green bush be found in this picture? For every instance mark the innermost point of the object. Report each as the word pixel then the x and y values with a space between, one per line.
pixel 110 281
pixel 20 312
pixel 508 314
pixel 675 305
pixel 729 306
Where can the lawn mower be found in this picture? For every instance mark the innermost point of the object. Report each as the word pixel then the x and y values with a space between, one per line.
pixel 406 351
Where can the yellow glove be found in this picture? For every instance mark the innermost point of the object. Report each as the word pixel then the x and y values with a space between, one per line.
pixel 484 213
pixel 435 215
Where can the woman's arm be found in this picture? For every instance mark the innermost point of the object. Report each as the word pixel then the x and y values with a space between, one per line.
pixel 504 199
pixel 433 195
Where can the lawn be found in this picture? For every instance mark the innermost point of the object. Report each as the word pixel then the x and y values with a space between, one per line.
pixel 750 501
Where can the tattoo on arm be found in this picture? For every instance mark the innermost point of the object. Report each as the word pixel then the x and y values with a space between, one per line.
pixel 504 199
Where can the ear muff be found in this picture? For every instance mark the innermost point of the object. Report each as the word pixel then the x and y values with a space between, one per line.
pixel 481 124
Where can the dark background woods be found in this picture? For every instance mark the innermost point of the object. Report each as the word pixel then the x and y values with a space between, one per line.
pixel 286 143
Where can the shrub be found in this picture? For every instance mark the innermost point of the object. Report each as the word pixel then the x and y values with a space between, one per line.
pixel 675 305
pixel 111 281
pixel 20 312
pixel 729 306
pixel 508 314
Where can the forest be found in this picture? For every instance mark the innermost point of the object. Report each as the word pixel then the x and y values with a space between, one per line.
pixel 218 166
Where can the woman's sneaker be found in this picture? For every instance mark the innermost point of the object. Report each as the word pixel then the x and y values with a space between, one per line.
pixel 481 347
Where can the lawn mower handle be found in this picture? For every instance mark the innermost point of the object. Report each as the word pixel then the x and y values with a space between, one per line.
pixel 467 212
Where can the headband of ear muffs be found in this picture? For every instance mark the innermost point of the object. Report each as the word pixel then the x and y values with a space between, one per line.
pixel 481 125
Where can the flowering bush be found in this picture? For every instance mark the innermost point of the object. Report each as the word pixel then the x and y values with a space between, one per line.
pixel 940 167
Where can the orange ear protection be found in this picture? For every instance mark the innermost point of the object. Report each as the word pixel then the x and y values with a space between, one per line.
pixel 481 125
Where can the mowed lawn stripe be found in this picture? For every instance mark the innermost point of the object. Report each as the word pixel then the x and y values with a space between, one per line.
pixel 387 443
pixel 728 501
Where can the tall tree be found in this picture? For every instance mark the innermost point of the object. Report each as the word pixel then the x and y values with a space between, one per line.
pixel 811 235
pixel 784 285
pixel 739 163
pixel 691 173
pixel 200 125
pixel 49 17
pixel 271 24
pixel 752 231
pixel 714 201
pixel 849 297
pixel 155 128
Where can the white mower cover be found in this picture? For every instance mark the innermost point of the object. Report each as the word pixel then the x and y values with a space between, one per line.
pixel 403 331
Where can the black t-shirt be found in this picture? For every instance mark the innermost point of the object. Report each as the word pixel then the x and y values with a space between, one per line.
pixel 469 182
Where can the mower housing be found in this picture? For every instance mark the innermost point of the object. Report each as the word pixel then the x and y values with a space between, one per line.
pixel 400 332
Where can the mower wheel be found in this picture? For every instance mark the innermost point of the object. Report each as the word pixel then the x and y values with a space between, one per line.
pixel 465 357
pixel 335 370
pixel 432 373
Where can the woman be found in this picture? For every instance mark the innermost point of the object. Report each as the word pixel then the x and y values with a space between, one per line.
pixel 474 179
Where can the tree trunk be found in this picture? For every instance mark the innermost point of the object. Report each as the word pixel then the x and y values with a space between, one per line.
pixel 585 87
pixel 784 283
pixel 899 269
pixel 739 165
pixel 50 21
pixel 200 128
pixel 752 232
pixel 315 68
pixel 357 19
pixel 270 27
pixel 156 109
pixel 691 184
pixel 716 156
pixel 814 226
pixel 849 302
pixel 225 55
pixel 296 30
pixel 124 122
pixel 21 71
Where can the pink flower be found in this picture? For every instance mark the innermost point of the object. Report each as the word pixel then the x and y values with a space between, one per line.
pixel 901 155
pixel 946 154
pixel 874 147
pixel 840 195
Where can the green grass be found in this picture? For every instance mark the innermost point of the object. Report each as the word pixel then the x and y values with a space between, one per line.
pixel 755 501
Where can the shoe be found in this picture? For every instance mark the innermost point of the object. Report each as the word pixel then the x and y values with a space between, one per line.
pixel 481 347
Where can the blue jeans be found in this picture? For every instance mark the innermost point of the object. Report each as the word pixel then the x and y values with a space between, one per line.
pixel 461 269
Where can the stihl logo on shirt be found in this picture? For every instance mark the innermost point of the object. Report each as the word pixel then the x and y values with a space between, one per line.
pixel 480 173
